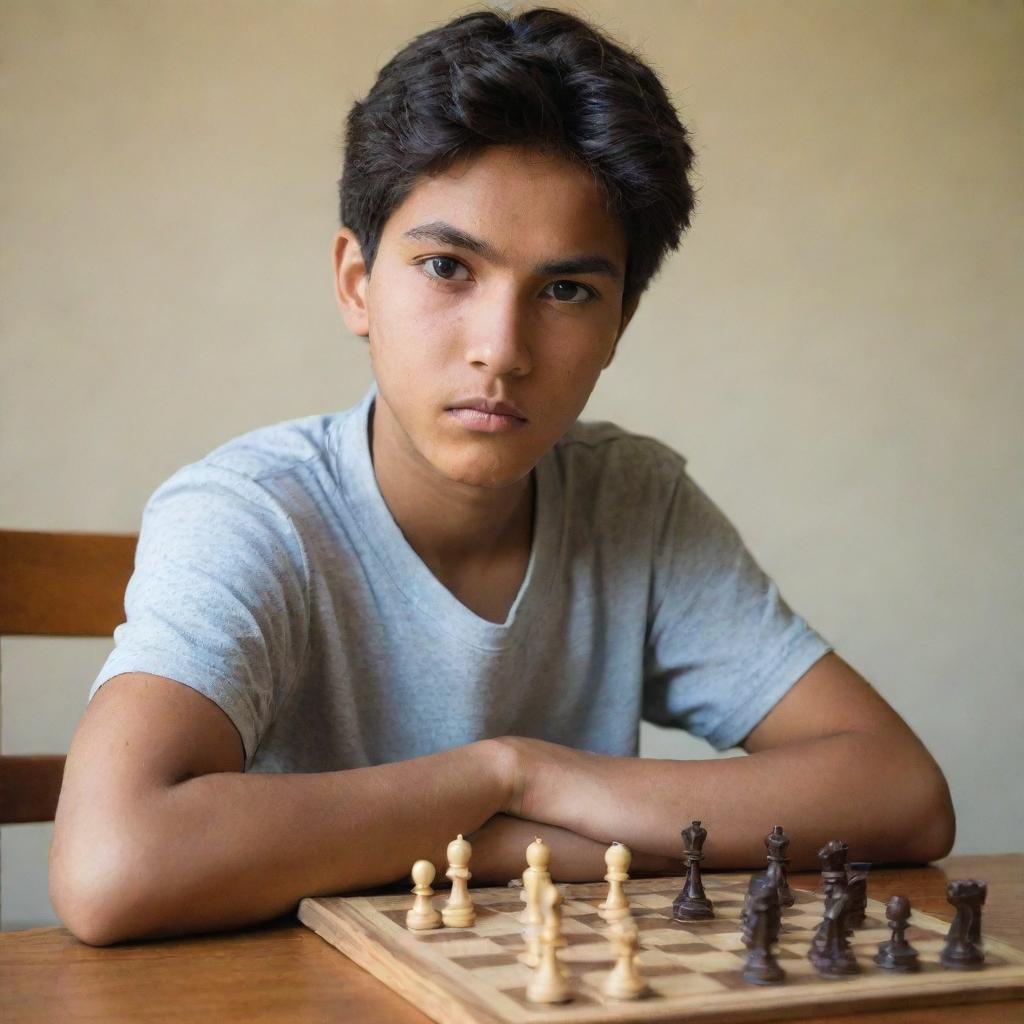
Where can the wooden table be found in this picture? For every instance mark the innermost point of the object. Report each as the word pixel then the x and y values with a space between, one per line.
pixel 284 972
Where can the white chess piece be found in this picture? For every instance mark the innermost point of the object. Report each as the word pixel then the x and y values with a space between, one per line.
pixel 617 857
pixel 538 859
pixel 624 980
pixel 533 886
pixel 422 917
pixel 458 911
pixel 550 982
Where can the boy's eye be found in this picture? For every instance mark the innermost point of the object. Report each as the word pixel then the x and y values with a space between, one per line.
pixel 570 292
pixel 444 268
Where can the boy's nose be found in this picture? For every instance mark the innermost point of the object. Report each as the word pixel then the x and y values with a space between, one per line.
pixel 500 340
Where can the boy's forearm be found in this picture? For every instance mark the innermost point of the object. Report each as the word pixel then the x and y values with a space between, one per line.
pixel 228 849
pixel 885 798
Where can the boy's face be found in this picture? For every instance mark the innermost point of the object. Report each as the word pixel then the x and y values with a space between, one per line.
pixel 454 329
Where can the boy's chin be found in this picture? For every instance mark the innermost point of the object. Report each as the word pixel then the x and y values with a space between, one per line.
pixel 490 475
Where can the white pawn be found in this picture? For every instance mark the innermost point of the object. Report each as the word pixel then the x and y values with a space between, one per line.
pixel 458 911
pixel 617 857
pixel 550 983
pixel 533 886
pixel 422 917
pixel 624 980
pixel 538 857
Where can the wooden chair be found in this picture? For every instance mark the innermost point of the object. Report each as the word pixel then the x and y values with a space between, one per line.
pixel 55 584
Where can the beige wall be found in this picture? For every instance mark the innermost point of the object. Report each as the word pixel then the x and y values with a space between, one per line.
pixel 836 348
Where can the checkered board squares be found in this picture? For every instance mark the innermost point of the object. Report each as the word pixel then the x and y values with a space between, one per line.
pixel 694 969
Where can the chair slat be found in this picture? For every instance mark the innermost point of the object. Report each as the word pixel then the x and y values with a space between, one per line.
pixel 63 584
pixel 29 787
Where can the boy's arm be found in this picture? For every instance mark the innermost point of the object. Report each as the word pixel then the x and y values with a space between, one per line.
pixel 831 760
pixel 159 831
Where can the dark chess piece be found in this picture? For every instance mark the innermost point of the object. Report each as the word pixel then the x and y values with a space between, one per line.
pixel 762 917
pixel 752 885
pixel 833 889
pixel 897 954
pixel 833 856
pixel 857 889
pixel 691 904
pixel 963 950
pixel 778 844
pixel 831 952
pixel 833 868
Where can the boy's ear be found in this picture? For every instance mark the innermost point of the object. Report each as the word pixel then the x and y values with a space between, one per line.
pixel 350 283
pixel 627 315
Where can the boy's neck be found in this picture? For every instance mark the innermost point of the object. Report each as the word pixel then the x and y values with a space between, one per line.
pixel 451 526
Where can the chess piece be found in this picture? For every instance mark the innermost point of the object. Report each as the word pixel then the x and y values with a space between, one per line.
pixel 962 950
pixel 616 906
pixel 777 843
pixel 857 889
pixel 761 924
pixel 755 881
pixel 831 952
pixel 833 889
pixel 422 917
pixel 624 980
pixel 897 954
pixel 533 885
pixel 550 983
pixel 691 904
pixel 458 912
pixel 535 878
pixel 833 868
pixel 538 859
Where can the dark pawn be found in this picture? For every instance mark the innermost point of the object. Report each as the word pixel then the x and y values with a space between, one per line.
pixel 778 844
pixel 897 954
pixel 761 923
pixel 691 904
pixel 830 951
pixel 857 888
pixel 963 950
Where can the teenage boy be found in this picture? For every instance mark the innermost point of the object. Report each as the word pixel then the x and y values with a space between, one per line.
pixel 446 610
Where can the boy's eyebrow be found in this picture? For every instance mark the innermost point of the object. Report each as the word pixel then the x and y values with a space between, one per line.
pixel 447 234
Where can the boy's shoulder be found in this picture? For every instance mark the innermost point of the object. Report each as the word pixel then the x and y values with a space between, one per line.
pixel 265 452
pixel 288 468
pixel 605 446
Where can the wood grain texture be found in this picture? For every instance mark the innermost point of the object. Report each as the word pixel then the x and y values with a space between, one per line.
pixel 63 584
pixel 285 973
pixel 29 787
pixel 55 584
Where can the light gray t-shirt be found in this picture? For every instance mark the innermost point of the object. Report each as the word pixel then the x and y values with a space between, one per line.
pixel 271 577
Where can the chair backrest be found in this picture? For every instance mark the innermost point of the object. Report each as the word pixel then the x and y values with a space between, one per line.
pixel 55 584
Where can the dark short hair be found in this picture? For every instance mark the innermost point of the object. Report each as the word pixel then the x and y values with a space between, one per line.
pixel 541 78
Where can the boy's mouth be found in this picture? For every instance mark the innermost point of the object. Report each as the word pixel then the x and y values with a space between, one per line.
pixel 484 405
pixel 481 414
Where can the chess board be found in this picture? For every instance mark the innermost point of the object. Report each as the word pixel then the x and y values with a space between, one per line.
pixel 472 975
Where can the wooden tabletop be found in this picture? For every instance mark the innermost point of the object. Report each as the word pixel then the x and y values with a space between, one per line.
pixel 284 972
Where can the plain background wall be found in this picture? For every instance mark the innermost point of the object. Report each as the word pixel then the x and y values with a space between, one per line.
pixel 836 348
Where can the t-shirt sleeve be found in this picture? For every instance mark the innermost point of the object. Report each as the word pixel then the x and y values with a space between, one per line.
pixel 218 599
pixel 723 646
